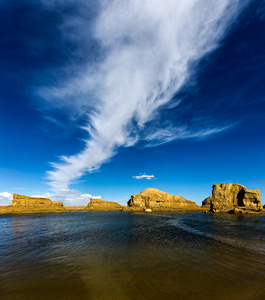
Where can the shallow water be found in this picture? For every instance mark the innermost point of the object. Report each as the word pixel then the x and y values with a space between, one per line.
pixel 114 255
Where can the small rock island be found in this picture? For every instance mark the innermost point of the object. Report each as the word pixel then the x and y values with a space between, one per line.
pixel 226 198
pixel 27 205
pixel 102 205
pixel 155 200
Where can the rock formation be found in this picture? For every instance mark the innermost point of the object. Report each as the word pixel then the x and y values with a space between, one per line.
pixel 102 205
pixel 235 198
pixel 75 208
pixel 157 200
pixel 25 204
pixel 206 203
pixel 26 201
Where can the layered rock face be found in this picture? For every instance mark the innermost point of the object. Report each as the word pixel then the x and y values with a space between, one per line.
pixel 75 208
pixel 26 201
pixel 157 200
pixel 235 198
pixel 102 205
pixel 26 204
pixel 206 203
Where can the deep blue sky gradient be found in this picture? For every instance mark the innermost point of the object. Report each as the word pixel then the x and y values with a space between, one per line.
pixel 228 89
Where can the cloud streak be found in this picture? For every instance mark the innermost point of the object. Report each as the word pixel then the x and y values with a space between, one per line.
pixel 144 176
pixel 149 52
pixel 166 135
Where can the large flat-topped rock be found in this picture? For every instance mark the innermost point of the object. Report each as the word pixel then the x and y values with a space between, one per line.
pixel 231 197
pixel 102 205
pixel 25 204
pixel 26 201
pixel 157 200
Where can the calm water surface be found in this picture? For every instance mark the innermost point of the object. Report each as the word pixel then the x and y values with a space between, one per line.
pixel 114 255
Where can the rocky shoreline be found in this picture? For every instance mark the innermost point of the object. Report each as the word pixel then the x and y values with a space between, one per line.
pixel 226 198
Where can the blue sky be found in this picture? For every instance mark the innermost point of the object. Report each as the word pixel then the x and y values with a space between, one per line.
pixel 105 99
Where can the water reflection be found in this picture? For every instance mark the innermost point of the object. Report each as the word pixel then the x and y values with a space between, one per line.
pixel 113 255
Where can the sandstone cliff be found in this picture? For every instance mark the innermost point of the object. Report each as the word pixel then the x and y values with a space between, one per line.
pixel 157 200
pixel 75 208
pixel 102 205
pixel 25 204
pixel 206 203
pixel 235 198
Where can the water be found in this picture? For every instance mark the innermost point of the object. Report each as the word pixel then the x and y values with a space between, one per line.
pixel 115 255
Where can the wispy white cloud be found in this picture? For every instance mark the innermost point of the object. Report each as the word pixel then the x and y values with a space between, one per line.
pixel 46 195
pixel 87 197
pixel 149 50
pixel 165 135
pixel 144 176
pixel 5 198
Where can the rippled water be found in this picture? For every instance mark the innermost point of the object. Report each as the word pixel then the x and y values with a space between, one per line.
pixel 114 255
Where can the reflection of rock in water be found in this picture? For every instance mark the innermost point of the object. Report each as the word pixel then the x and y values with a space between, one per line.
pixel 235 198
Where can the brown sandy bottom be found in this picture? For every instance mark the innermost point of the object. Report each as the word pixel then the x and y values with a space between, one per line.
pixel 124 256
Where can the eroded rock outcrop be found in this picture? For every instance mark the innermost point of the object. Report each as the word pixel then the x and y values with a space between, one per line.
pixel 206 203
pixel 102 205
pixel 235 198
pixel 25 204
pixel 157 200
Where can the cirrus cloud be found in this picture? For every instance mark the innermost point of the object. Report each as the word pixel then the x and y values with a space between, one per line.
pixel 149 50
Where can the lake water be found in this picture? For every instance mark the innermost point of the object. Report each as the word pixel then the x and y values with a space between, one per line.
pixel 115 255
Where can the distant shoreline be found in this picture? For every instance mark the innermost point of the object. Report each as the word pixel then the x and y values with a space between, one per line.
pixel 69 209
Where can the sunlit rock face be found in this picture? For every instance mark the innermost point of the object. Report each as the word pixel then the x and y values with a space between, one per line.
pixel 235 198
pixel 96 204
pixel 206 203
pixel 26 201
pixel 25 204
pixel 160 201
